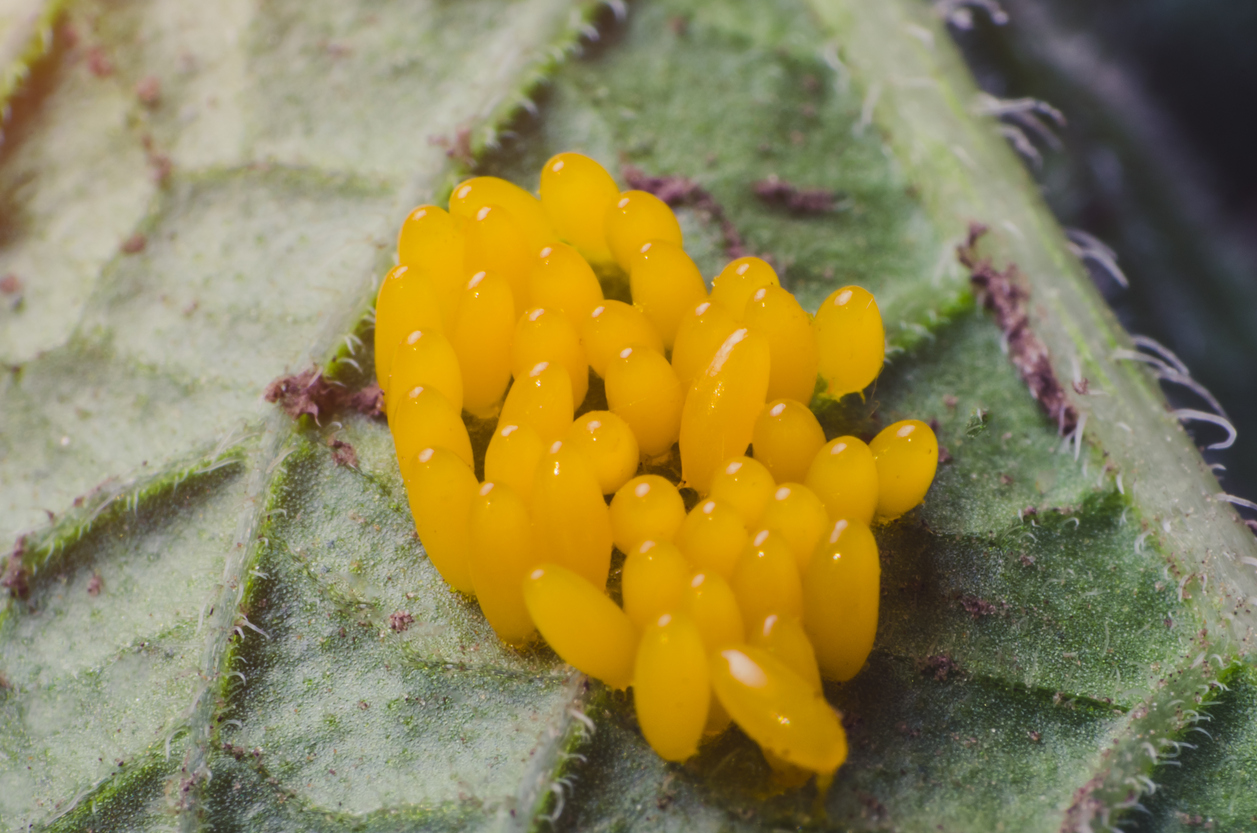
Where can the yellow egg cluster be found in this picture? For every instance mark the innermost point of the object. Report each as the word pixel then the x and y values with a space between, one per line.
pixel 735 610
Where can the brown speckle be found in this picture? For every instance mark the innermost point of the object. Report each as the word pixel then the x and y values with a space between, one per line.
pixel 1005 480
pixel 94 585
pixel 1036 736
pixel 148 90
pixel 794 199
pixel 134 244
pixel 98 62
pixel 939 666
pixel 364 705
pixel 944 456
pixel 459 148
pixel 11 284
pixel 309 393
pixel 977 608
pixel 343 454
pixel 1026 560
pixel 1004 294
pixel 679 24
pixel 16 576
pixel 400 620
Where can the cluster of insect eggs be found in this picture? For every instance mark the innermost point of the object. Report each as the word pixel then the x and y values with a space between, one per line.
pixel 734 610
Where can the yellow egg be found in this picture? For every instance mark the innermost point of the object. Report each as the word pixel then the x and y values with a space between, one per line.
pixel 800 517
pixel 906 454
pixel 549 336
pixel 666 284
pixel 425 358
pixel 636 218
pixel 844 476
pixel 474 194
pixel 775 314
pixel 440 488
pixel 495 243
pixel 712 537
pixel 672 686
pixel 700 333
pixel 541 400
pixel 500 556
pixel 571 524
pixel 581 624
pixel 745 485
pixel 783 637
pixel 786 438
pixel 710 602
pixel 610 327
pixel 577 193
pixel 561 280
pixel 852 342
pixel 721 407
pixel 608 446
pixel 481 336
pixel 841 593
pixel 644 392
pixel 512 458
pixel 654 579
pixel 431 243
pixel 425 418
pixel 766 579
pixel 737 282
pixel 407 302
pixel 647 508
pixel 778 709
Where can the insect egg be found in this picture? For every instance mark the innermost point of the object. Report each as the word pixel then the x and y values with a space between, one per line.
pixel 441 487
pixel 844 476
pixel 799 516
pixel 425 358
pixel 636 218
pixel 495 243
pixel 582 625
pixel 710 602
pixel 851 340
pixel 407 301
pixel 424 418
pixel 577 193
pixel 778 709
pixel 610 327
pixel 775 314
pixel 665 283
pixel 512 458
pixel 470 196
pixel 712 537
pixel 481 336
pixel 541 400
pixel 840 599
pixel 654 580
pixel 766 579
pixel 571 523
pixel 745 485
pixel 784 638
pixel 737 282
pixel 720 410
pixel 672 686
pixel 608 445
pixel 545 336
pixel 644 392
pixel 907 457
pixel 699 335
pixel 786 438
pixel 647 507
pixel 561 280
pixel 500 554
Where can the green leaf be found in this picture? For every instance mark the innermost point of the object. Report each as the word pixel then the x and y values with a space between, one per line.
pixel 228 627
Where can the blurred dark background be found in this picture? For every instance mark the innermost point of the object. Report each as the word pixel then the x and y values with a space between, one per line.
pixel 1158 159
